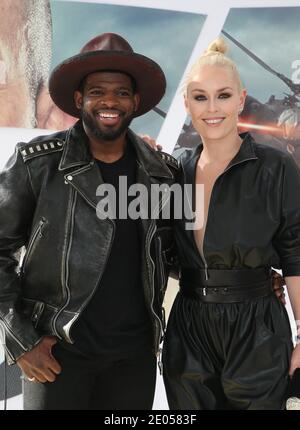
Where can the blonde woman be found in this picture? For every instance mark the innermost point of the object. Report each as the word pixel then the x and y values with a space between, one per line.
pixel 228 343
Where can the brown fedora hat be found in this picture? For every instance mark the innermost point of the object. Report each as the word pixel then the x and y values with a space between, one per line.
pixel 108 51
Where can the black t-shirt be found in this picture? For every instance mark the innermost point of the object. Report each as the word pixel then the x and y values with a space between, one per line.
pixel 116 321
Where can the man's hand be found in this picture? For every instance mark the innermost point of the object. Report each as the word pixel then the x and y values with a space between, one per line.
pixel 39 363
pixel 277 283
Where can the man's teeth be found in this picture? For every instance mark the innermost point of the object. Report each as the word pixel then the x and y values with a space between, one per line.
pixel 108 115
pixel 213 121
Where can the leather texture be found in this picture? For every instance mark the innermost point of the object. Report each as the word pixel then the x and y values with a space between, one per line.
pixel 254 212
pixel 221 355
pixel 48 204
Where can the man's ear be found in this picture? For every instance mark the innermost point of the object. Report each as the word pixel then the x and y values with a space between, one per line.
pixel 48 115
pixel 78 99
pixel 136 102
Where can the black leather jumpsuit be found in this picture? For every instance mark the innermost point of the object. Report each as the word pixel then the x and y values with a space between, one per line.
pixel 228 342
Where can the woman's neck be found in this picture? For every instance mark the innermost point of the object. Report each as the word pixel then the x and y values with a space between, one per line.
pixel 221 150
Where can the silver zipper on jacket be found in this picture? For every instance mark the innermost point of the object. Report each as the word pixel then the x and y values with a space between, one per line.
pixel 151 269
pixel 85 303
pixel 13 335
pixel 95 288
pixel 64 272
pixel 68 326
pixel 37 235
pixel 161 265
pixel 149 238
pixel 10 356
pixel 108 253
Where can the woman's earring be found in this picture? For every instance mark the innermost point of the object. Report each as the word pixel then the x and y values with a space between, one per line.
pixel 240 110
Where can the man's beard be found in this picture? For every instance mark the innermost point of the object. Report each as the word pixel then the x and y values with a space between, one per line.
pixel 90 122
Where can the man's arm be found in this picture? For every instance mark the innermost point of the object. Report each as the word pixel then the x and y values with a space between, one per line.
pixel 17 206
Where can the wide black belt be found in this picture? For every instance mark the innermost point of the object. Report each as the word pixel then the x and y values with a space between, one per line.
pixel 225 286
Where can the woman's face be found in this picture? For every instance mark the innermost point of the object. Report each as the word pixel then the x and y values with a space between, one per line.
pixel 213 100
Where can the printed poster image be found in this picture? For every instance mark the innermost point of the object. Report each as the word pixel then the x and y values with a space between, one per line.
pixel 46 33
pixel 264 44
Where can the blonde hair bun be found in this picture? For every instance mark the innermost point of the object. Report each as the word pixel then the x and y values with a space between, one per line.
pixel 218 46
pixel 213 56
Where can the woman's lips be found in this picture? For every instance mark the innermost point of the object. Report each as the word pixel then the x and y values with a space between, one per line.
pixel 213 121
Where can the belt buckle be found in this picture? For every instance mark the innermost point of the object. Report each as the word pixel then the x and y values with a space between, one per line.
pixel 204 291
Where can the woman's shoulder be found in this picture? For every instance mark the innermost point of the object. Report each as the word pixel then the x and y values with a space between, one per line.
pixel 270 154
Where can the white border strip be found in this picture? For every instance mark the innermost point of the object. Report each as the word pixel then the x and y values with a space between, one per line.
pixel 176 116
pixel 216 13
pixel 196 6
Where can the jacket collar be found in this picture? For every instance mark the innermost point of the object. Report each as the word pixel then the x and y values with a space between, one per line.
pixel 149 158
pixel 76 150
pixel 245 153
pixel 190 159
pixel 77 153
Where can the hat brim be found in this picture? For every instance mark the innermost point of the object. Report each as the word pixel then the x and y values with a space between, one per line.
pixel 66 77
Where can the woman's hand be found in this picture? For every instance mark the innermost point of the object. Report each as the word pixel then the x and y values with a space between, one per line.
pixel 277 284
pixel 295 360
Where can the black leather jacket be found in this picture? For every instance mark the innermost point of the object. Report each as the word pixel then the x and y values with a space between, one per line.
pixel 48 203
pixel 254 213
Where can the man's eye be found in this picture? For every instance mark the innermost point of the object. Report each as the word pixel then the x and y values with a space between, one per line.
pixel 95 93
pixel 124 93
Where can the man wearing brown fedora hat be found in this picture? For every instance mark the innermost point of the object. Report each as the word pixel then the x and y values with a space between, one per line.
pixel 83 317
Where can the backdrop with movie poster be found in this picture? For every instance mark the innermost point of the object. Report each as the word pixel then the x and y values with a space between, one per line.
pixel 263 39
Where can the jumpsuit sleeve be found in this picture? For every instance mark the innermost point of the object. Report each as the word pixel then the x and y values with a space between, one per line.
pixel 287 237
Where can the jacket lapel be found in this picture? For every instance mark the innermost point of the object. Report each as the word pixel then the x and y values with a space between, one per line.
pixel 82 172
pixel 76 149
